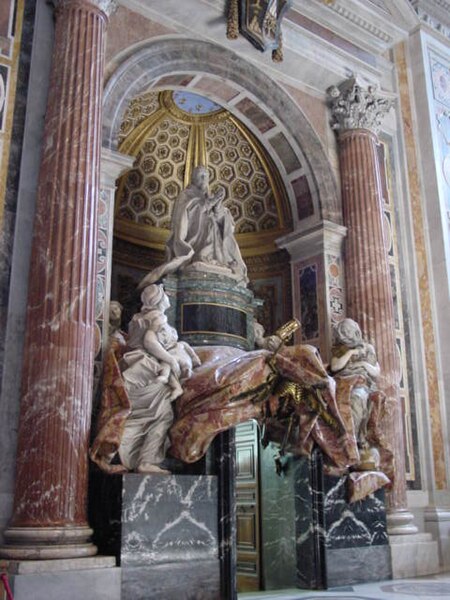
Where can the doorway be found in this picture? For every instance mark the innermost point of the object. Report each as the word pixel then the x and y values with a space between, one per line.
pixel 265 515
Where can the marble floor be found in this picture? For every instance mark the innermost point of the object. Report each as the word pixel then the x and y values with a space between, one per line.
pixel 431 587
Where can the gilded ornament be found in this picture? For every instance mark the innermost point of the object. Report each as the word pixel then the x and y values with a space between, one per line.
pixel 260 22
pixel 233 20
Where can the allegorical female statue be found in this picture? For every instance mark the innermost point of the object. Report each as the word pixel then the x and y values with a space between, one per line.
pixel 143 374
pixel 202 234
pixel 352 355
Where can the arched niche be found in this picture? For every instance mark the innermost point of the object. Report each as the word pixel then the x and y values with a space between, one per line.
pixel 207 69
pixel 253 97
pixel 275 119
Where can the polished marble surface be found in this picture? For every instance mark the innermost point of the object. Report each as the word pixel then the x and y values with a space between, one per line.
pixel 421 588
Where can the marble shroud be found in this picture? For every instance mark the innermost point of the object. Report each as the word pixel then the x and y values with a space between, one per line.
pixel 225 391
pixel 221 394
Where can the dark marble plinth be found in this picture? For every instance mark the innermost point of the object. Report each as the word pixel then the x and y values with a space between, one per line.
pixel 170 546
pixel 309 522
pixel 349 566
pixel 337 543
pixel 356 536
pixel 176 581
pixel 211 309
pixel 165 532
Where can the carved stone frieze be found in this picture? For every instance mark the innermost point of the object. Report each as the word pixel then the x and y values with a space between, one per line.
pixel 354 107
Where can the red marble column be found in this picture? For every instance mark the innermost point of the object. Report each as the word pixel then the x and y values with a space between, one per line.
pixel 49 518
pixel 357 113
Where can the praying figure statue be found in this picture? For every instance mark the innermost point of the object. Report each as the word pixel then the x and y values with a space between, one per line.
pixel 202 236
pixel 351 355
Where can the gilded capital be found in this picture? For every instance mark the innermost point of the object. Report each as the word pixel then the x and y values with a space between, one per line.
pixel 106 6
pixel 353 107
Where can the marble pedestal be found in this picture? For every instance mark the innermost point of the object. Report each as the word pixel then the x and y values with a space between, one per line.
pixel 93 578
pixel 211 310
pixel 169 547
pixel 437 523
pixel 413 555
pixel 337 543
pixel 164 530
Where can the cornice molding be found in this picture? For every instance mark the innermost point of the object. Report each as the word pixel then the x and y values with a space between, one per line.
pixel 358 20
pixel 363 23
pixel 435 14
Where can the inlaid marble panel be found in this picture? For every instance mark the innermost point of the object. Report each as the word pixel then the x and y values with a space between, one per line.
pixel 217 87
pixel 309 307
pixel 168 519
pixel 361 523
pixel 335 287
pixel 285 152
pixel 440 76
pixel 330 532
pixel 391 230
pixel 421 259
pixel 170 547
pixel 255 114
pixel 303 198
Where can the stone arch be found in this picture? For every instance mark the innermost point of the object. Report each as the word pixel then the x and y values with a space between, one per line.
pixel 259 102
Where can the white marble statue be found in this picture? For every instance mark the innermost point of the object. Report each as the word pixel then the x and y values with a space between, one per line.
pixel 153 368
pixel 351 355
pixel 202 235
pixel 270 342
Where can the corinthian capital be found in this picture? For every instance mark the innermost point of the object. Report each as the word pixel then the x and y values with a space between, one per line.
pixel 106 6
pixel 353 107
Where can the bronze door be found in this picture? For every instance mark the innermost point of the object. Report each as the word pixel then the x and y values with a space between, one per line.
pixel 247 508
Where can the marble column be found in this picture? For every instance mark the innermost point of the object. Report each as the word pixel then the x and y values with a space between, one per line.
pixel 49 517
pixel 357 114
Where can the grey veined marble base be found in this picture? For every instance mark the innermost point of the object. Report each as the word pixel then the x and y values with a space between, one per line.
pixel 337 543
pixel 195 580
pixel 169 546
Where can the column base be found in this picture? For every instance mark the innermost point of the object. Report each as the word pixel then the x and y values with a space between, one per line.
pixel 40 543
pixel 437 522
pixel 400 522
pixel 413 555
pixel 71 579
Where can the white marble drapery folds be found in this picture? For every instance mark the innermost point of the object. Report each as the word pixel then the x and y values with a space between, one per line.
pixel 202 235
